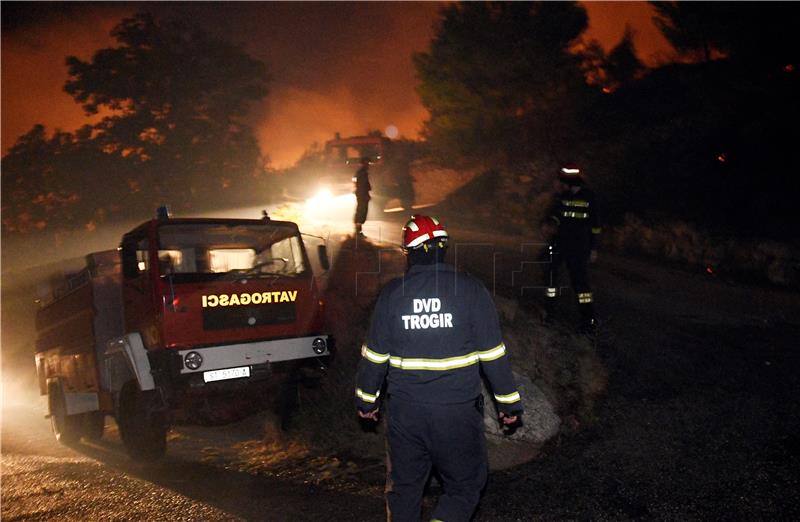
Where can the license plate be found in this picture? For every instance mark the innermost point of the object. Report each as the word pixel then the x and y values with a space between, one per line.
pixel 227 373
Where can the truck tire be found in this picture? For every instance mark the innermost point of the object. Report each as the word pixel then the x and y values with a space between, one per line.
pixel 288 400
pixel 66 428
pixel 142 423
pixel 94 423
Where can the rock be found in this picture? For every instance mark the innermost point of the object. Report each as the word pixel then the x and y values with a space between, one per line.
pixel 540 422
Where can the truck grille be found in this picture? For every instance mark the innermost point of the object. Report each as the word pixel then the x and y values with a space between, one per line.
pixel 248 316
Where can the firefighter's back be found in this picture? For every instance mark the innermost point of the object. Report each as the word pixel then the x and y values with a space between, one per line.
pixel 430 316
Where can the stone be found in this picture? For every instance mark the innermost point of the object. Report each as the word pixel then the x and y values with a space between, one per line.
pixel 539 422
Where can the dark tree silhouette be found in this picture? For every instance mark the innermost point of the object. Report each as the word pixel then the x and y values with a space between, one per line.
pixel 499 79
pixel 688 26
pixel 175 100
pixel 759 34
pixel 60 180
pixel 622 66
pixel 31 183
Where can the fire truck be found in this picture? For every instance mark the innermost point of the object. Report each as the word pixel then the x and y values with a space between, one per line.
pixel 331 173
pixel 389 168
pixel 187 321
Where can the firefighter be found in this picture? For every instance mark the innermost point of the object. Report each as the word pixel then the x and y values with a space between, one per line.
pixel 361 190
pixel 432 332
pixel 572 227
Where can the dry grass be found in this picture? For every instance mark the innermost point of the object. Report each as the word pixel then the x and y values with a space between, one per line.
pixel 327 414
pixel 678 241
pixel 564 365
pixel 433 183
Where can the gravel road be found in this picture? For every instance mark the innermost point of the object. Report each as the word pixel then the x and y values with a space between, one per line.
pixel 700 423
pixel 701 419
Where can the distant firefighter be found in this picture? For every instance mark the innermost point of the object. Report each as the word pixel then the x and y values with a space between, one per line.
pixel 361 190
pixel 572 227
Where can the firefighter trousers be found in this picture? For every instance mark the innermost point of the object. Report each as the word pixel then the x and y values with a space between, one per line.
pixel 448 437
pixel 362 206
pixel 577 262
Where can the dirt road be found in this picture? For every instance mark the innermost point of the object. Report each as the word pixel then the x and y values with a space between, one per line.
pixel 701 420
pixel 700 423
pixel 205 476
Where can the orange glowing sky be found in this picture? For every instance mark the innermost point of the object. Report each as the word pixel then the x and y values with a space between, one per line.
pixel 336 66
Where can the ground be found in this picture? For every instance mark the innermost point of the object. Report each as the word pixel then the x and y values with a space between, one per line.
pixel 700 422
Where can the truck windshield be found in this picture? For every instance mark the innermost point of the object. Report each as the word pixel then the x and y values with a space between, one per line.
pixel 351 153
pixel 197 250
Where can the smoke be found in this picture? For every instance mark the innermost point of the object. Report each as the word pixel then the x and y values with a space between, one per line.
pixel 33 63
pixel 298 118
pixel 29 265
pixel 351 72
pixel 607 22
pixel 336 66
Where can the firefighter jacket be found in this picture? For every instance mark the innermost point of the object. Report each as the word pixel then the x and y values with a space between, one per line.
pixel 577 219
pixel 432 332
pixel 361 182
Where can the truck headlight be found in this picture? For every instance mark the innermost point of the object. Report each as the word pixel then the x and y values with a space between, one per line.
pixel 193 360
pixel 319 345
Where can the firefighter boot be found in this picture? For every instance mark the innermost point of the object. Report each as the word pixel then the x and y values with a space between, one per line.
pixel 588 320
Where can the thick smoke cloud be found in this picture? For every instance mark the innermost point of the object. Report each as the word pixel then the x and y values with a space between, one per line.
pixel 335 67
pixel 342 67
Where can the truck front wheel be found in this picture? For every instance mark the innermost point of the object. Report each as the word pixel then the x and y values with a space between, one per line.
pixel 66 428
pixel 94 423
pixel 142 423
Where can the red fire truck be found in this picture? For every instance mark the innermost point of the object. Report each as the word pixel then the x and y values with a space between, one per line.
pixel 389 167
pixel 187 321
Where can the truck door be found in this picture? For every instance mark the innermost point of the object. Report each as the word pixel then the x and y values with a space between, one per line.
pixel 137 289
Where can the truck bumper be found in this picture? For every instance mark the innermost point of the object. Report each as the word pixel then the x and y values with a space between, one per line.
pixel 253 354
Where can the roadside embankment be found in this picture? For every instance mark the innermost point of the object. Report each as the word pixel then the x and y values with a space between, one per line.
pixel 677 241
pixel 560 375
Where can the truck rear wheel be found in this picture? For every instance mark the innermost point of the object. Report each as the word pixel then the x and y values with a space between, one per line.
pixel 66 428
pixel 142 423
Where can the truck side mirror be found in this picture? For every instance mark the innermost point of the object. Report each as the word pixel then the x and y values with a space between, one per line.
pixel 322 251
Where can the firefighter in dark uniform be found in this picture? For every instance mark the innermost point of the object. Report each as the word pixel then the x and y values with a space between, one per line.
pixel 361 190
pixel 432 332
pixel 573 228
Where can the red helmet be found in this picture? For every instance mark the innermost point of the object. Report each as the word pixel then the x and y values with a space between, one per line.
pixel 570 174
pixel 420 229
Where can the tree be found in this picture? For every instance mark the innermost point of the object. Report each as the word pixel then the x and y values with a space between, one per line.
pixel 500 81
pixel 176 100
pixel 31 187
pixel 622 66
pixel 688 26
pixel 47 181
pixel 760 34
